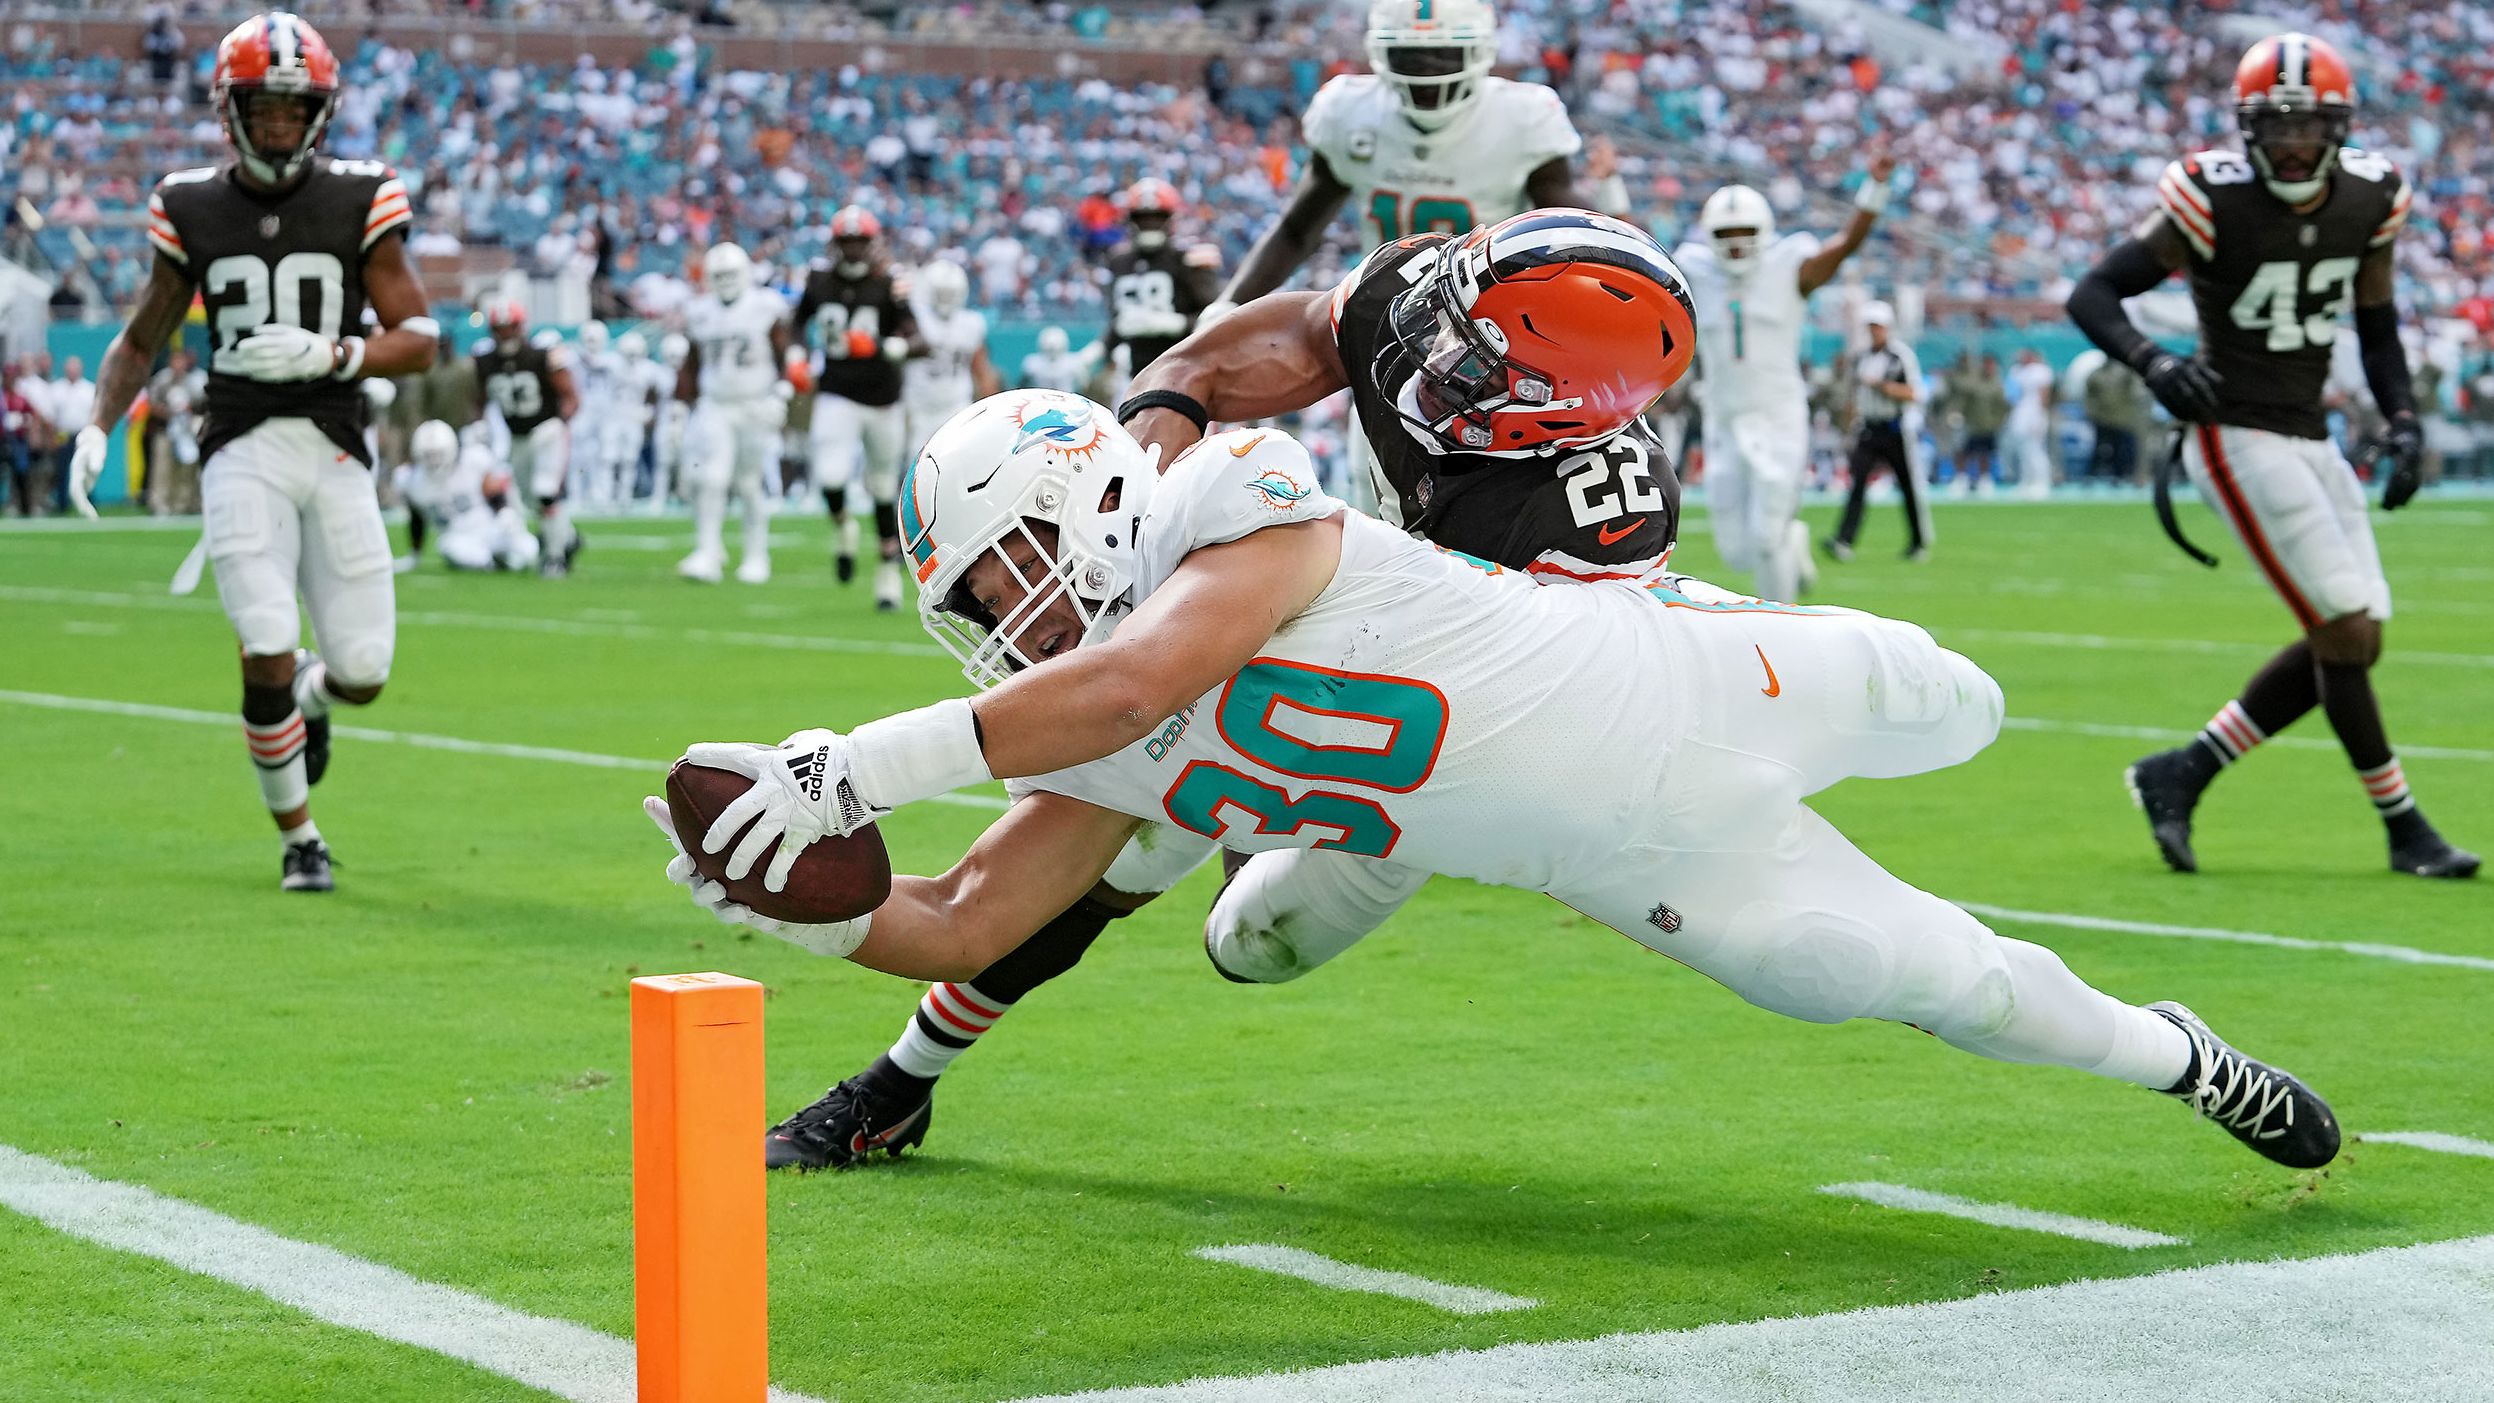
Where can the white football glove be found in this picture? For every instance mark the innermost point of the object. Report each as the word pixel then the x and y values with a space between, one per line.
pixel 281 354
pixel 837 940
pixel 86 465
pixel 800 793
pixel 896 348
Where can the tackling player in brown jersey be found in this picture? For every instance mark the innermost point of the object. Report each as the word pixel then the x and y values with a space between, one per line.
pixel 286 250
pixel 2278 241
pixel 1502 378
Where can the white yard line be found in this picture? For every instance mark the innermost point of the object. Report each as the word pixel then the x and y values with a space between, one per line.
pixel 568 1360
pixel 2401 953
pixel 458 744
pixel 2430 1140
pixel 1342 1276
pixel 2411 1323
pixel 2002 1215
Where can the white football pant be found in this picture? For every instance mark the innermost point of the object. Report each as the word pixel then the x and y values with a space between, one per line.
pixel 1755 460
pixel 2297 508
pixel 732 445
pixel 856 443
pixel 288 510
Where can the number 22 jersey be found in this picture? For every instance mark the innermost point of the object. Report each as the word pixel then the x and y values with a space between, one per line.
pixel 2272 286
pixel 1418 692
pixel 293 257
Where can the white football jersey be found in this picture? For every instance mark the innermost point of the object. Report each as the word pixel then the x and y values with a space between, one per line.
pixel 598 376
pixel 446 497
pixel 734 339
pixel 1420 692
pixel 1407 181
pixel 1066 371
pixel 940 379
pixel 1749 325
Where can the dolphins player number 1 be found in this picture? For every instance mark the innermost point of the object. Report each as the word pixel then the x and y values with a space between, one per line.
pixel 1405 724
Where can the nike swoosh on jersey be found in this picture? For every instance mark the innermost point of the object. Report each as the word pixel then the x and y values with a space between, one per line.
pixel 1773 687
pixel 1610 536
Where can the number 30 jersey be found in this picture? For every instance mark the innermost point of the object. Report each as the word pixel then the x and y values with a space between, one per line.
pixel 1608 512
pixel 293 258
pixel 2272 286
pixel 734 339
pixel 1419 692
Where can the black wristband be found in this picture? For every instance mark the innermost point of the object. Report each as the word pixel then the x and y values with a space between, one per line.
pixel 1187 405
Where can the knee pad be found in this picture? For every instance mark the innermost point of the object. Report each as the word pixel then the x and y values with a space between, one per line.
pixel 264 627
pixel 1816 965
pixel 1156 858
pixel 362 661
pixel 1286 913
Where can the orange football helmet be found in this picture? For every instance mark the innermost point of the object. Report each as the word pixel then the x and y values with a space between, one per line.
pixel 1548 331
pixel 2294 102
pixel 275 55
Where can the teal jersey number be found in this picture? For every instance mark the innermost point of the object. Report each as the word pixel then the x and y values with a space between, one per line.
pixel 1429 214
pixel 1410 716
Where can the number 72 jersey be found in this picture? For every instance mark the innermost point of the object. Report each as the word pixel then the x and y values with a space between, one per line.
pixel 2273 286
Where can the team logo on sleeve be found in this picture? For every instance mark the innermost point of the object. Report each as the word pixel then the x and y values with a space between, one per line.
pixel 1277 490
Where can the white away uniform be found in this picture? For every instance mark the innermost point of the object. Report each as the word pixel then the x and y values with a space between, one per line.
pixel 937 385
pixel 1609 744
pixel 1755 406
pixel 1407 181
pixel 732 440
pixel 474 533
pixel 607 441
pixel 1063 371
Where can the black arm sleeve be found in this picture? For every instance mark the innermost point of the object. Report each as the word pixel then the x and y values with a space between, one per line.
pixel 2385 360
pixel 2096 303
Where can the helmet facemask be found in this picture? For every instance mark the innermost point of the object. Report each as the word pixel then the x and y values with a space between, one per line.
pixel 1465 373
pixel 273 113
pixel 1435 83
pixel 2294 142
pixel 1151 229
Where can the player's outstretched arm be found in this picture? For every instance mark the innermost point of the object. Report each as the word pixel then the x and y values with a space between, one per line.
pixel 2401 442
pixel 566 393
pixel 1027 867
pixel 1272 356
pixel 2186 388
pixel 1293 237
pixel 1872 198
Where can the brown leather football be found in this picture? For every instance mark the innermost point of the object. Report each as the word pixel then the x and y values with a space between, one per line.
pixel 836 879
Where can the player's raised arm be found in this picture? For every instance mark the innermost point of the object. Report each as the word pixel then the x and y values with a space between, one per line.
pixel 1274 355
pixel 1294 237
pixel 1868 202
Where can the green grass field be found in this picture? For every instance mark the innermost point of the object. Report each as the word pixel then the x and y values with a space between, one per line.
pixel 427 1068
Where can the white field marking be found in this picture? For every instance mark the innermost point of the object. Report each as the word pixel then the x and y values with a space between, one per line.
pixel 2430 1140
pixel 88 628
pixel 2411 1323
pixel 568 1360
pixel 515 623
pixel 2003 1215
pixel 421 741
pixel 2401 953
pixel 2097 642
pixel 1342 1276
pixel 2160 733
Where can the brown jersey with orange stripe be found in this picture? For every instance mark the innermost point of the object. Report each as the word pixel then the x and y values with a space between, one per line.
pixel 1611 511
pixel 293 257
pixel 2272 285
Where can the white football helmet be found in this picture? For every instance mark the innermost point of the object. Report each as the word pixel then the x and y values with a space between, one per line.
pixel 674 350
pixel 593 338
pixel 1737 207
pixel 1434 54
pixel 1053 341
pixel 632 346
pixel 726 271
pixel 948 287
pixel 434 447
pixel 1007 464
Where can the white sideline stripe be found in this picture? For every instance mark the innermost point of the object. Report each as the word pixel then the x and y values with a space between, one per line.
pixel 512 623
pixel 2097 642
pixel 2161 733
pixel 2002 1215
pixel 458 744
pixel 2430 1140
pixel 2401 953
pixel 569 1360
pixel 2411 1323
pixel 1342 1276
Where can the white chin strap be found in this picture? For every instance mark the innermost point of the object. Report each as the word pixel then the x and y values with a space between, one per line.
pixel 848 269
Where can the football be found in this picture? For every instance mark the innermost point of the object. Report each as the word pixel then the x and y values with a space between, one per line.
pixel 836 879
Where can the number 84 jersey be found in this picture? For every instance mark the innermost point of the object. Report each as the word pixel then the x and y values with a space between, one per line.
pixel 2271 285
pixel 1418 692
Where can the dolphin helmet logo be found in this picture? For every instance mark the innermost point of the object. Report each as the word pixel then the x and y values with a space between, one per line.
pixel 1058 428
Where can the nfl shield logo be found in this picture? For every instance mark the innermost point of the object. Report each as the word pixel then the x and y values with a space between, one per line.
pixel 2308 235
pixel 1663 918
pixel 268 226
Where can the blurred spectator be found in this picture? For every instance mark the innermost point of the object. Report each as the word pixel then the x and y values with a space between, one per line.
pixel 2030 423
pixel 1981 402
pixel 174 401
pixel 31 381
pixel 21 431
pixel 161 46
pixel 71 407
pixel 2120 410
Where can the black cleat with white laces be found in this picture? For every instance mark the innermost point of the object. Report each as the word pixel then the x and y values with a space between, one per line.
pixel 2265 1107
pixel 307 867
pixel 2418 850
pixel 848 1125
pixel 2167 786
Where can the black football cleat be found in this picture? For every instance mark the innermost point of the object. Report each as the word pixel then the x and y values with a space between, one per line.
pixel 2164 787
pixel 846 1127
pixel 844 566
pixel 307 867
pixel 315 748
pixel 2265 1107
pixel 2423 852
